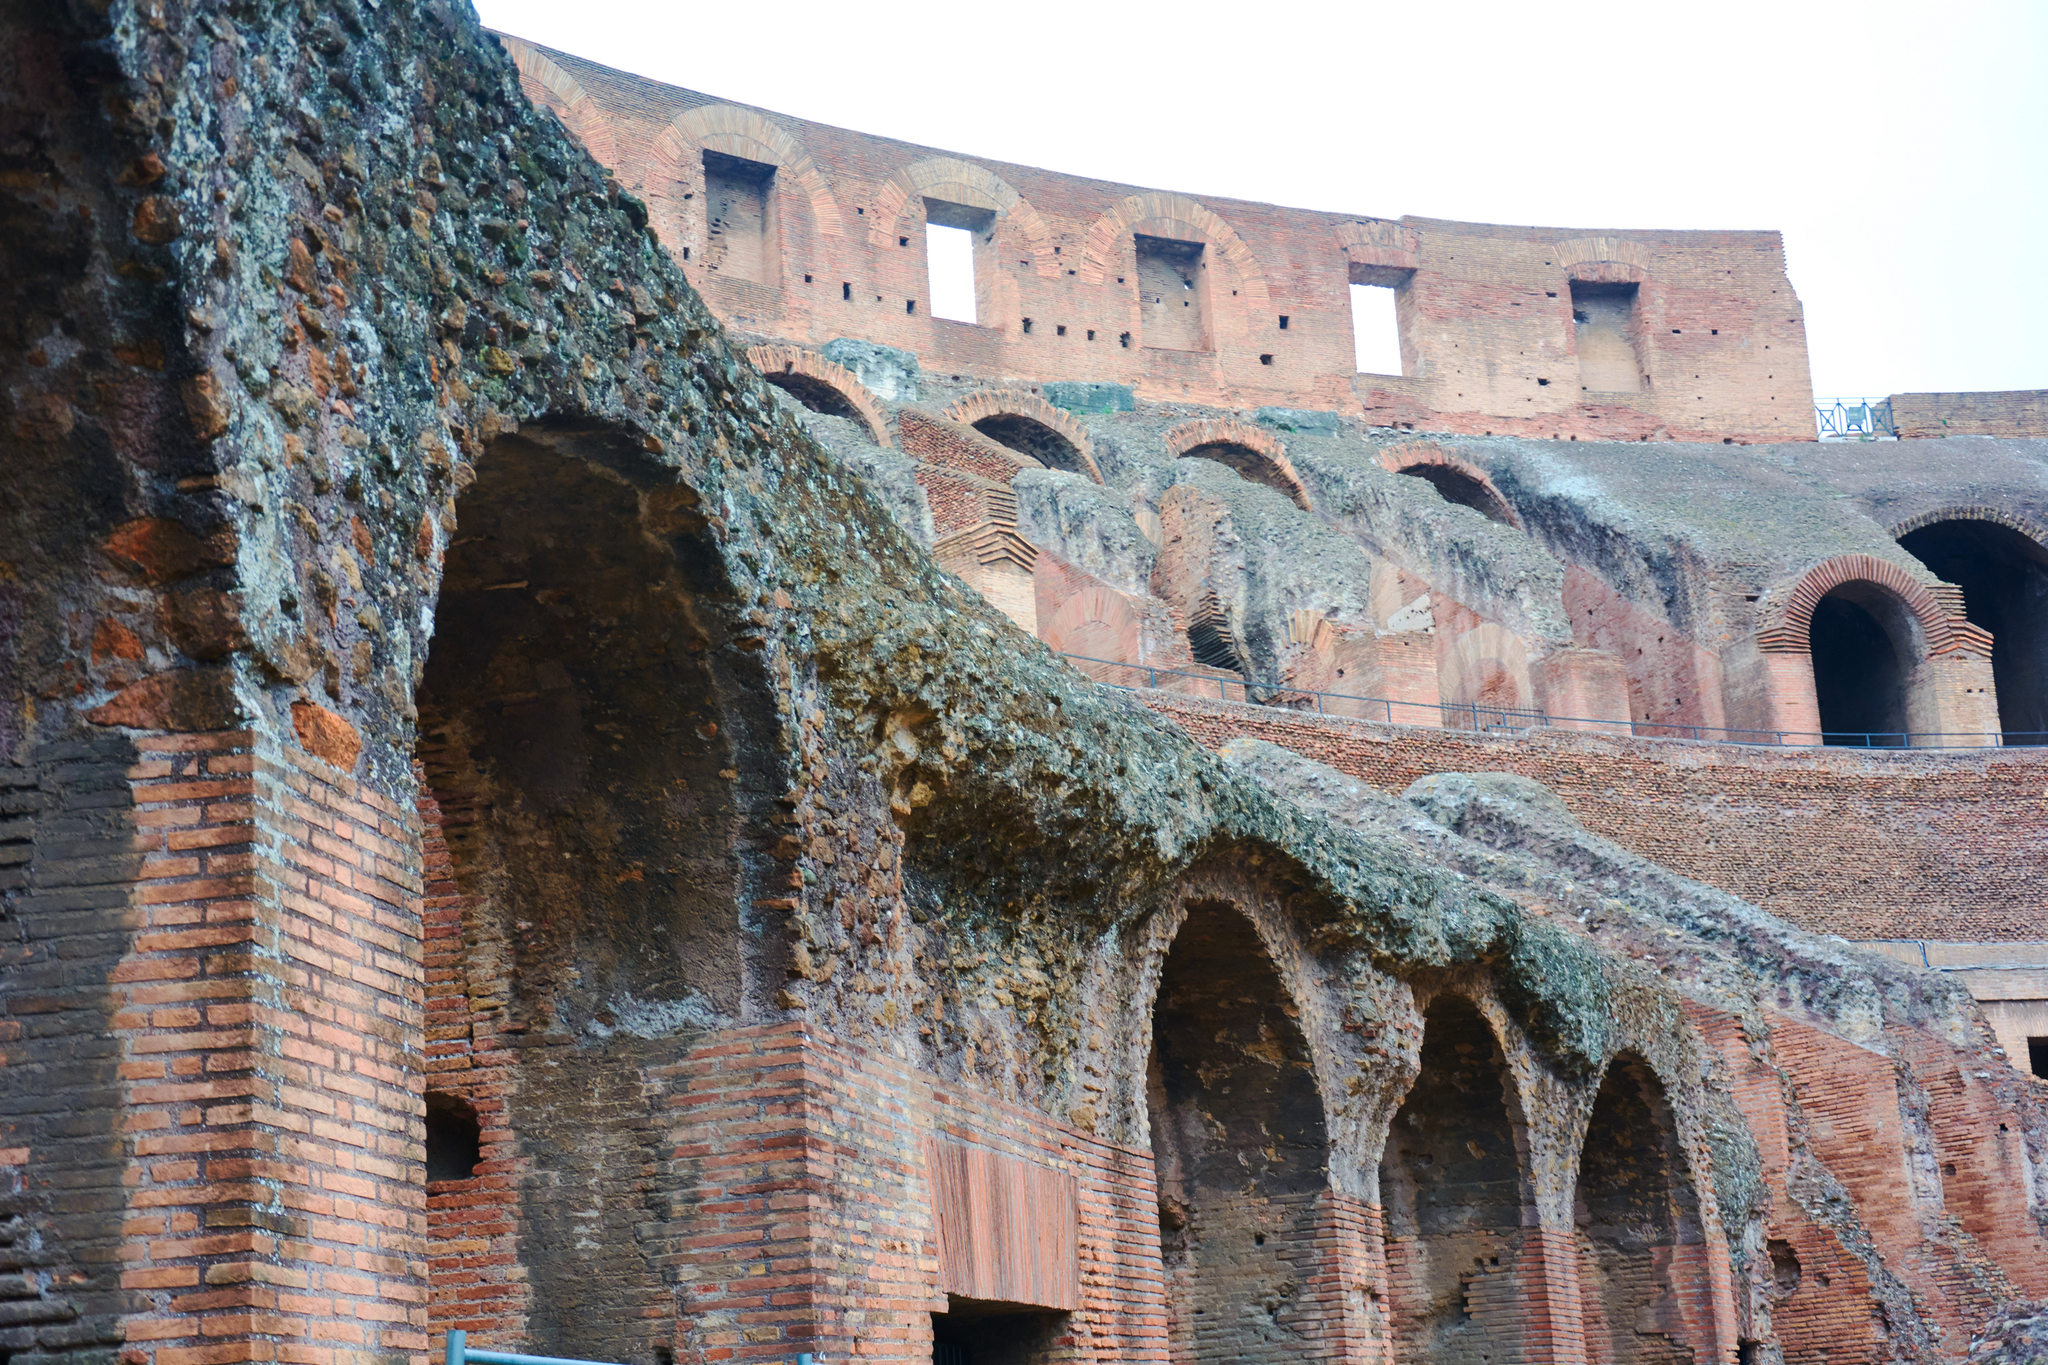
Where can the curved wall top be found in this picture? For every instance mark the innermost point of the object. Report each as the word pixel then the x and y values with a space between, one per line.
pixel 1485 313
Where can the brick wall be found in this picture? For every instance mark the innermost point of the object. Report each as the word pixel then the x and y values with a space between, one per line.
pixel 2014 412
pixel 1488 332
pixel 1909 844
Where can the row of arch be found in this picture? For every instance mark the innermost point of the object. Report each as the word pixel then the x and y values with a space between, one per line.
pixel 1865 624
pixel 1250 1194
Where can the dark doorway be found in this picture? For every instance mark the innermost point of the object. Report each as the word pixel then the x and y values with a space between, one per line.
pixel 1859 672
pixel 2004 578
pixel 454 1138
pixel 1459 487
pixel 1240 1145
pixel 1452 1187
pixel 2037 1056
pixel 974 1332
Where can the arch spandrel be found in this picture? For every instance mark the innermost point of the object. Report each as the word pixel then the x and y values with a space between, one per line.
pixel 734 131
pixel 960 182
pixel 1785 617
pixel 1176 216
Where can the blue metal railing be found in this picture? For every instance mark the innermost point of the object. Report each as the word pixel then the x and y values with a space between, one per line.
pixel 1507 720
pixel 458 1352
pixel 1854 419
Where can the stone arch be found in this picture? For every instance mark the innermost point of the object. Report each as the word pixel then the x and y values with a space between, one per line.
pixel 1645 1285
pixel 580 604
pixel 1099 625
pixel 1457 479
pixel 1457 1199
pixel 960 182
pixel 1485 678
pixel 675 182
pixel 1785 617
pixel 1029 425
pixel 1603 260
pixel 561 94
pixel 1169 215
pixel 1997 563
pixel 1252 451
pixel 821 386
pixel 1241 1146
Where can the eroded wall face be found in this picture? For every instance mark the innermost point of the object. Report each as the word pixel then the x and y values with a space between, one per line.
pixel 1452 1187
pixel 1242 1153
pixel 740 242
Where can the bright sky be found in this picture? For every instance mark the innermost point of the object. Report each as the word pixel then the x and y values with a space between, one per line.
pixel 1901 148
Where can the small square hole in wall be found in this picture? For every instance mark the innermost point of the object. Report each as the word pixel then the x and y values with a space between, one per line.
pixel 686 253
pixel 910 305
pixel 1027 325
pixel 1283 317
pixel 807 279
pixel 1124 340
pixel 1091 334
pixel 846 290
pixel 1060 330
pixel 1265 360
pixel 903 241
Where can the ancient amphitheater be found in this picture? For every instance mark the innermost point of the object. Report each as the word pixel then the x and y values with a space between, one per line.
pixel 581 769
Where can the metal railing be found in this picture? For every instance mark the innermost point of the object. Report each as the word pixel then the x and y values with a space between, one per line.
pixel 1506 720
pixel 458 1352
pixel 1855 419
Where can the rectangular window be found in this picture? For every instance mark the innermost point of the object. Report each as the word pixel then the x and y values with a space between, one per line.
pixel 1375 330
pixel 2037 1056
pixel 740 240
pixel 1170 289
pixel 1604 319
pixel 959 248
pixel 1379 303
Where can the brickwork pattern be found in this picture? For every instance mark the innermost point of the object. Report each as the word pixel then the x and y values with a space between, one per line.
pixel 1868 846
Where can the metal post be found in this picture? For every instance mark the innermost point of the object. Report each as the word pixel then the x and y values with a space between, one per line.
pixel 457 1344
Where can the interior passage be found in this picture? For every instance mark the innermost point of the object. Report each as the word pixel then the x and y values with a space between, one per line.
pixel 2004 578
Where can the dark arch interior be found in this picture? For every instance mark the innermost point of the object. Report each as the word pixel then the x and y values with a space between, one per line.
pixel 1859 669
pixel 1459 487
pixel 592 750
pixel 1249 463
pixel 1028 436
pixel 2004 578
pixel 454 1138
pixel 1453 1191
pixel 1241 1148
pixel 816 395
pixel 1642 1267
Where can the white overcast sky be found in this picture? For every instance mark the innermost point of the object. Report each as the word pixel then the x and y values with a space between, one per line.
pixel 1902 149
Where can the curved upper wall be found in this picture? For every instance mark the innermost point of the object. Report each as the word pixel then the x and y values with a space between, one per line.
pixel 802 232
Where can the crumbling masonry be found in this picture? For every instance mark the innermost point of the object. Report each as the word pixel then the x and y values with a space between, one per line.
pixel 542 793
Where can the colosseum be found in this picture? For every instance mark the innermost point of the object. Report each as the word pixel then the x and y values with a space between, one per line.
pixel 589 764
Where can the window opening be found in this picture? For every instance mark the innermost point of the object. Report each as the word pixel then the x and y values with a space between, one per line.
pixel 977 1332
pixel 454 1138
pixel 739 232
pixel 1454 485
pixel 2037 1056
pixel 959 243
pixel 1376 295
pixel 1028 436
pixel 1604 320
pixel 1170 288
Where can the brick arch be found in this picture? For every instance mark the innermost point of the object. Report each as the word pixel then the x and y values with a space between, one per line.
pixel 1402 458
pixel 1169 215
pixel 561 94
pixel 1264 460
pixel 741 132
pixel 1785 618
pixel 1478 657
pixel 779 362
pixel 2012 521
pixel 985 403
pixel 960 182
pixel 1097 623
pixel 1610 260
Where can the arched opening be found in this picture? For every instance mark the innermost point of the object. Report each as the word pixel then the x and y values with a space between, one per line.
pixel 1860 638
pixel 1242 1152
pixel 587 749
pixel 1028 436
pixel 1643 1284
pixel 1251 464
pixel 816 394
pixel 2004 577
pixel 1455 1199
pixel 1454 485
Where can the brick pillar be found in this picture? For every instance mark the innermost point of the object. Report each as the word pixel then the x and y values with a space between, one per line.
pixel 270 1026
pixel 1547 1274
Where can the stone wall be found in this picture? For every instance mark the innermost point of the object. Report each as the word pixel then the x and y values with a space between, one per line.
pixel 2018 412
